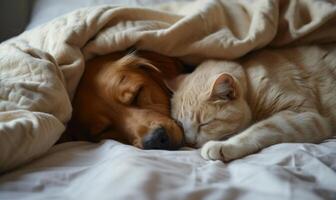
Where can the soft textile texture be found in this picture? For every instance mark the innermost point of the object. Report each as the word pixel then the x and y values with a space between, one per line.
pixel 40 69
pixel 110 170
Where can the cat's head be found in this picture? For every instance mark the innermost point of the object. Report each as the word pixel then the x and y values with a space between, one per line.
pixel 210 102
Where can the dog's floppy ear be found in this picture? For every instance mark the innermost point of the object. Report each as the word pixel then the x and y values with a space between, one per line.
pixel 132 60
pixel 168 66
pixel 144 64
pixel 169 69
pixel 71 133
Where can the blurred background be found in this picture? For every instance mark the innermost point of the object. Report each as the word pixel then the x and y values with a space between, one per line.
pixel 14 16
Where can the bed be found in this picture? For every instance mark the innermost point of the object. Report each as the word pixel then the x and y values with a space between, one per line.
pixel 40 69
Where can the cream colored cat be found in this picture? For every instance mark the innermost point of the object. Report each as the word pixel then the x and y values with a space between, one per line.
pixel 235 109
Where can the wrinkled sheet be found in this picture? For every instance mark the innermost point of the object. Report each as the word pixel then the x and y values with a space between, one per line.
pixel 110 170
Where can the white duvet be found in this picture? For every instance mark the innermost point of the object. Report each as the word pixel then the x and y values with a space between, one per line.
pixel 40 69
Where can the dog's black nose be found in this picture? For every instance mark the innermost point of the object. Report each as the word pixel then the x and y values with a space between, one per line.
pixel 158 139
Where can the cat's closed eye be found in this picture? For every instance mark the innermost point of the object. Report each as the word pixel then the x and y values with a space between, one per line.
pixel 206 124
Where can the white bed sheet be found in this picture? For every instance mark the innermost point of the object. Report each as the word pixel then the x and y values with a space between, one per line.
pixel 110 170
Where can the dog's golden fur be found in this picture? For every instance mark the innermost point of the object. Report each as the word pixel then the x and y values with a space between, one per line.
pixel 123 97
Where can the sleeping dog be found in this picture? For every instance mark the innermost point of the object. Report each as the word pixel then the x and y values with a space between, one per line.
pixel 123 96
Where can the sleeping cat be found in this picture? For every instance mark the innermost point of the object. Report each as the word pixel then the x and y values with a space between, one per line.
pixel 233 109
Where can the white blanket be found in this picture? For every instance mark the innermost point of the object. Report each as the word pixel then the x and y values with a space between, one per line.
pixel 40 69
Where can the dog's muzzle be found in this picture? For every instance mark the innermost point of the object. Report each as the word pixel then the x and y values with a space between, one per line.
pixel 158 139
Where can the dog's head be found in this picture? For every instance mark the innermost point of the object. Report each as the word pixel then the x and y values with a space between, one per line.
pixel 123 97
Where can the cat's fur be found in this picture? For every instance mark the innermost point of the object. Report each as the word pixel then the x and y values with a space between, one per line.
pixel 270 97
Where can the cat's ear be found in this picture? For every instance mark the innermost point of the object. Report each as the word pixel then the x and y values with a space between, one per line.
pixel 224 88
pixel 174 83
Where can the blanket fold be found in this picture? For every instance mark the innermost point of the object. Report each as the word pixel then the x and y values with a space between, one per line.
pixel 40 69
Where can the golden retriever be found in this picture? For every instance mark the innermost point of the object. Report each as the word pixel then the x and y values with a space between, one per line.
pixel 123 96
